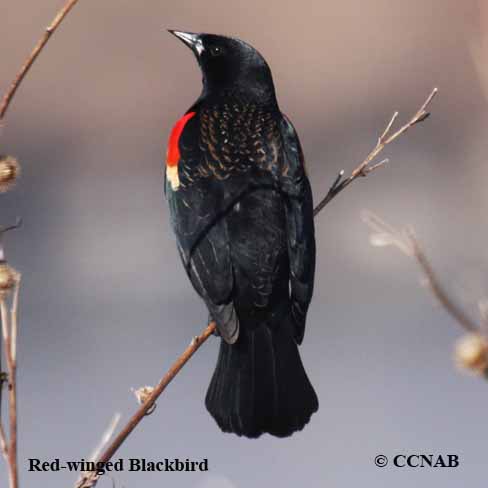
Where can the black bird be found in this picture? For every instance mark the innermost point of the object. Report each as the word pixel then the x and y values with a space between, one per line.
pixel 241 208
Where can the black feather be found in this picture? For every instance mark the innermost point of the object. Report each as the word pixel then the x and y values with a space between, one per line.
pixel 243 218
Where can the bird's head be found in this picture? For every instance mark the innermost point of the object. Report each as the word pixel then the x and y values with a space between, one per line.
pixel 229 65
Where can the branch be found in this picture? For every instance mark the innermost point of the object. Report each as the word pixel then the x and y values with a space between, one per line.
pixel 366 167
pixel 9 278
pixel 34 54
pixel 471 350
pixel 438 289
pixel 405 240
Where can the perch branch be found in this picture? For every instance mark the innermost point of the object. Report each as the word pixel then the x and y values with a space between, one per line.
pixel 366 167
pixel 89 480
pixel 34 54
pixel 406 241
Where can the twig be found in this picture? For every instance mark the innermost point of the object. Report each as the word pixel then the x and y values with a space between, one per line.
pixel 9 328
pixel 406 241
pixel 13 318
pixel 5 328
pixel 107 435
pixel 438 290
pixel 8 228
pixel 365 168
pixel 90 478
pixel 8 446
pixel 12 401
pixel 36 51
pixel 12 396
pixel 3 443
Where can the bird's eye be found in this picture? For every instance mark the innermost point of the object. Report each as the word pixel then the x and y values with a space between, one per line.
pixel 216 50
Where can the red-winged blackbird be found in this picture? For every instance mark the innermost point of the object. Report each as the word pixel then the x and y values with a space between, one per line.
pixel 241 207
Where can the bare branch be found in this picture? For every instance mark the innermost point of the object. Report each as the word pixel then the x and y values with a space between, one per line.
pixel 406 241
pixel 9 325
pixel 365 167
pixel 438 289
pixel 34 54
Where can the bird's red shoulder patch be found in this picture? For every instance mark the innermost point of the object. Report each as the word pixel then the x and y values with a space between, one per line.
pixel 173 154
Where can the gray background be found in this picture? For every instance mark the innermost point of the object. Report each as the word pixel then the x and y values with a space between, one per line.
pixel 106 305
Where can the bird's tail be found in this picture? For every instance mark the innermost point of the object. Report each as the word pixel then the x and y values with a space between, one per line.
pixel 259 385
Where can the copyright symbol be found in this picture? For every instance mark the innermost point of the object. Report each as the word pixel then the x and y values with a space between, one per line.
pixel 381 461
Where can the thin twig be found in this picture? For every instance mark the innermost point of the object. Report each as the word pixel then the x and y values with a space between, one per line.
pixel 105 439
pixel 438 290
pixel 5 453
pixel 13 382
pixel 90 478
pixel 365 168
pixel 12 400
pixel 3 443
pixel 12 395
pixel 36 51
pixel 8 228
pixel 5 322
pixel 13 318
pixel 406 241
pixel 9 446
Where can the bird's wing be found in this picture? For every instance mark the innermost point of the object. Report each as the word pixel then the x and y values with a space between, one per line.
pixel 202 238
pixel 300 226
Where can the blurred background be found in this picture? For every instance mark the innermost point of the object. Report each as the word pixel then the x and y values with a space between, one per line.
pixel 105 302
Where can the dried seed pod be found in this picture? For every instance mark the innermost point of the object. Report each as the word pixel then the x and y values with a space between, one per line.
pixel 143 393
pixel 7 278
pixel 9 172
pixel 471 353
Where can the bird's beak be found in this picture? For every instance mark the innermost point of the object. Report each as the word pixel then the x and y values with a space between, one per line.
pixel 193 41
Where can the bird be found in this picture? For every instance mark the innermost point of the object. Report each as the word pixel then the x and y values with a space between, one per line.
pixel 241 208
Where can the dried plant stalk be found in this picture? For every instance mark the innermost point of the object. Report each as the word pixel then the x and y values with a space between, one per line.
pixel 9 335
pixel 33 56
pixel 8 446
pixel 406 241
